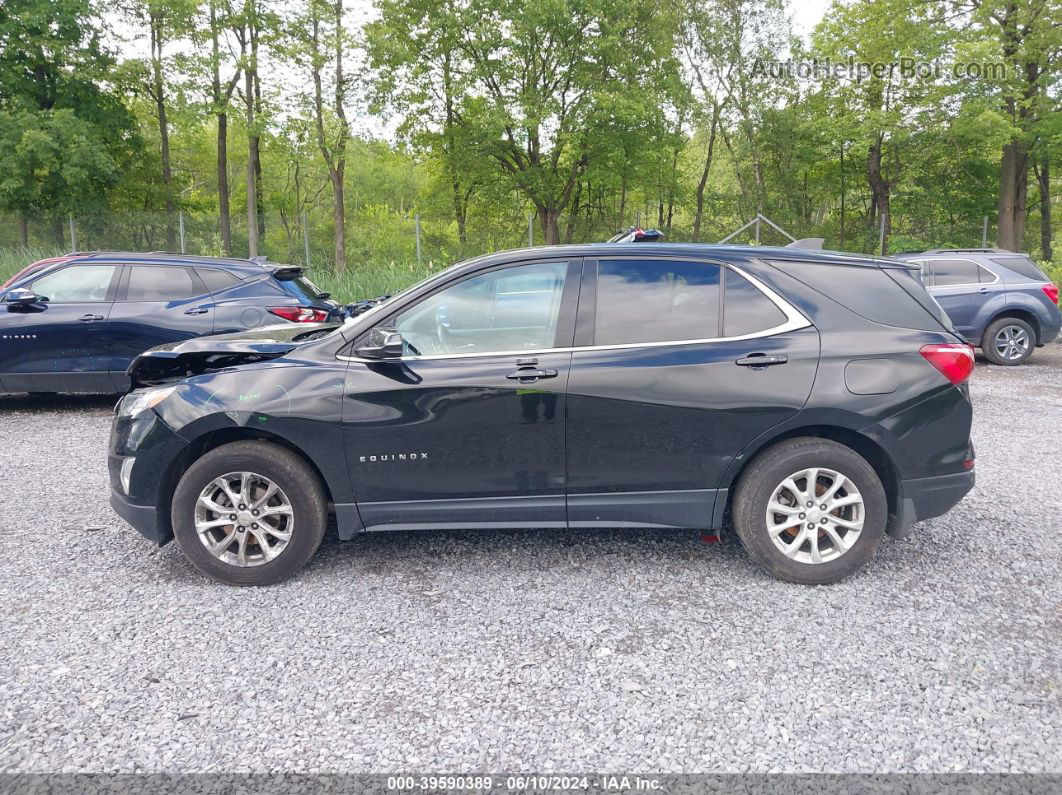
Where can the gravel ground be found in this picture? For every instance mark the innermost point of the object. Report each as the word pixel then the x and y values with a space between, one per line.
pixel 534 651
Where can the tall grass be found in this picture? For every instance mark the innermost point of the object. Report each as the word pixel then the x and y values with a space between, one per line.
pixel 365 281
pixel 12 260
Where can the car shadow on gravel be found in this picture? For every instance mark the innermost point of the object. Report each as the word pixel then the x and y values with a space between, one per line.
pixel 55 402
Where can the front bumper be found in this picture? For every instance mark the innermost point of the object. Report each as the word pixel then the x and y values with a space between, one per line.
pixel 153 453
pixel 924 498
pixel 144 518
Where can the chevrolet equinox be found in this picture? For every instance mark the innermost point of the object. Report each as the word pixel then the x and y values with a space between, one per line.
pixel 812 401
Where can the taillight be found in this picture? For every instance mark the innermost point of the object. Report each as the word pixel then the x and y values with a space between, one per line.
pixel 300 314
pixel 955 360
pixel 1051 291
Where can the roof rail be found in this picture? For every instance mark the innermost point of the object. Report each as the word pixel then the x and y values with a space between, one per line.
pixel 968 251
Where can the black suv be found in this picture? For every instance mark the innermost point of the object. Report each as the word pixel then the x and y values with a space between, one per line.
pixel 813 400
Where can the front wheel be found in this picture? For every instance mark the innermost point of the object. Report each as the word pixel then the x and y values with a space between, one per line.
pixel 249 513
pixel 1008 341
pixel 810 511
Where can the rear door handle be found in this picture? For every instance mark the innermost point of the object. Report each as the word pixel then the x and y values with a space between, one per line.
pixel 983 291
pixel 90 318
pixel 762 359
pixel 199 310
pixel 528 373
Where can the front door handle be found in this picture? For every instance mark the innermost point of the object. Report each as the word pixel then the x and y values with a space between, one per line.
pixel 199 310
pixel 762 360
pixel 983 291
pixel 90 318
pixel 531 374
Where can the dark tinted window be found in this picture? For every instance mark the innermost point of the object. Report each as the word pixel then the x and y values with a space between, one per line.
pixel 746 310
pixel 216 280
pixel 656 301
pixel 875 293
pixel 954 271
pixel 161 283
pixel 1023 265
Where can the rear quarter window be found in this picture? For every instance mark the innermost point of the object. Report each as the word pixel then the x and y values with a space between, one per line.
pixel 216 280
pixel 1023 265
pixel 877 294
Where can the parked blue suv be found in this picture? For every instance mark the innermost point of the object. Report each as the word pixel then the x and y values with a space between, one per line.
pixel 998 300
pixel 74 323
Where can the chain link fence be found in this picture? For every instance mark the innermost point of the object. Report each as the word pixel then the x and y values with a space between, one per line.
pixel 375 235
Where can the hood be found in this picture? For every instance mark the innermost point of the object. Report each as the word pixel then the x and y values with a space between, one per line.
pixel 199 355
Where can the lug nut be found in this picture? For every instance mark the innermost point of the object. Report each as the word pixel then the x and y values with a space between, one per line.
pixel 810 503
pixel 255 525
pixel 232 516
pixel 823 506
pixel 811 526
pixel 803 515
pixel 243 507
pixel 254 513
pixel 822 520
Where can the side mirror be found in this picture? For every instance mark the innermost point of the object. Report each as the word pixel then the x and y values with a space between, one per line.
pixel 20 296
pixel 385 344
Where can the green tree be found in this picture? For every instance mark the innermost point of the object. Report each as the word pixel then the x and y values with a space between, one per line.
pixel 64 132
pixel 545 88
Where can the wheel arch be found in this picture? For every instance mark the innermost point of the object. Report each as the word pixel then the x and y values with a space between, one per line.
pixel 876 455
pixel 1019 314
pixel 211 440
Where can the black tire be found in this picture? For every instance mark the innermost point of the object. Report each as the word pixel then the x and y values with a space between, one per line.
pixel 988 341
pixel 766 474
pixel 296 480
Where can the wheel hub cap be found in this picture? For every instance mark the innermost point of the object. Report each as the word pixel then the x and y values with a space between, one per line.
pixel 1012 342
pixel 815 515
pixel 244 519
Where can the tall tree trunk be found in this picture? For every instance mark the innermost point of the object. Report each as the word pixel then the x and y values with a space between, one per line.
pixel 548 217
pixel 699 213
pixel 252 157
pixel 224 217
pixel 1013 176
pixel 335 156
pixel 1043 181
pixel 879 191
pixel 23 229
pixel 258 146
pixel 840 243
pixel 156 23
pixel 221 96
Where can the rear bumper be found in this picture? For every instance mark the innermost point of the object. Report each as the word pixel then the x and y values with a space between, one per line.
pixel 144 518
pixel 924 498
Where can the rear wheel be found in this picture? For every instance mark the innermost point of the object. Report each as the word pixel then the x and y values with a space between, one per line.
pixel 249 513
pixel 1008 341
pixel 810 511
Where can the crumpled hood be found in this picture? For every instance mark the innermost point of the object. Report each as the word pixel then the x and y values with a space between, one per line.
pixel 178 360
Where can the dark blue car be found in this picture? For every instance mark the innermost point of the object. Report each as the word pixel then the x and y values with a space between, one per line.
pixel 75 323
pixel 998 300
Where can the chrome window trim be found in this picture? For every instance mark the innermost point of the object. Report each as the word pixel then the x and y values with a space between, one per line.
pixel 976 264
pixel 794 320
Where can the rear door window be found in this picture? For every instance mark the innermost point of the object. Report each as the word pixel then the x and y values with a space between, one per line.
pixel 162 283
pixel 949 272
pixel 648 300
pixel 746 309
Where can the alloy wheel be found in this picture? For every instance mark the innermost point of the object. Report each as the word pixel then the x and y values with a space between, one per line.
pixel 244 519
pixel 815 515
pixel 1011 342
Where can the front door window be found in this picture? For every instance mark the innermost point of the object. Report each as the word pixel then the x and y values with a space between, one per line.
pixel 512 309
